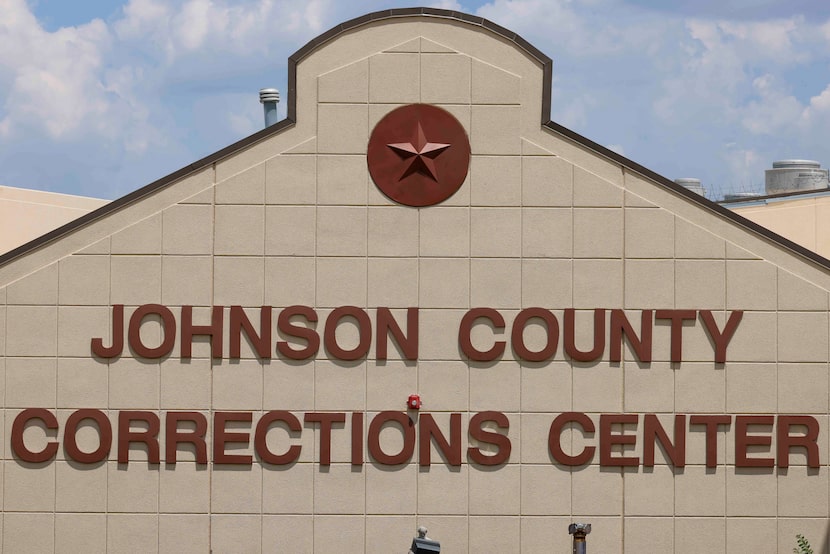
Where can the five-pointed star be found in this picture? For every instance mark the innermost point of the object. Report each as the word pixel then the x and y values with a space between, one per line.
pixel 420 154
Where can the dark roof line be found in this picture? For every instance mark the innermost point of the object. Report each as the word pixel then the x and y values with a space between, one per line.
pixel 692 196
pixel 289 121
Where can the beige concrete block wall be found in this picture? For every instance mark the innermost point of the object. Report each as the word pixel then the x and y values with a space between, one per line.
pixel 295 219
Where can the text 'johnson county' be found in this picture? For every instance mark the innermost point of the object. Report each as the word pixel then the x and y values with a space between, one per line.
pixel 483 333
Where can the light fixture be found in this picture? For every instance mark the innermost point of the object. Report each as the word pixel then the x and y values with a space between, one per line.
pixel 423 544
pixel 579 531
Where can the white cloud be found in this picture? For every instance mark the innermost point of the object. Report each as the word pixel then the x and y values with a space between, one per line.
pixel 572 25
pixel 573 112
pixel 241 124
pixel 447 5
pixel 744 169
pixel 819 104
pixel 224 26
pixel 774 111
pixel 109 82
pixel 732 68
pixel 814 122
pixel 193 23
pixel 163 83
pixel 141 17
pixel 52 79
pixel 704 78
pixel 771 40
pixel 531 18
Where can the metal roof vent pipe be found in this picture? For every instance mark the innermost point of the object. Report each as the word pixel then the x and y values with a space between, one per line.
pixel 269 97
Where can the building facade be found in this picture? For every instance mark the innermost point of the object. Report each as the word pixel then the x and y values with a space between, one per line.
pixel 416 301
pixel 800 217
pixel 28 214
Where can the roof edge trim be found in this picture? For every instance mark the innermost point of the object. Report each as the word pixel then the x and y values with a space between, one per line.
pixel 702 201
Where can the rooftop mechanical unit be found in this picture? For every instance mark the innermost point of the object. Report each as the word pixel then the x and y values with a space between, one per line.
pixel 794 176
pixel 691 184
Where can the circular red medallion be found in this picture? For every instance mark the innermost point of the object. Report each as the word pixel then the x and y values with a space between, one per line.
pixel 418 155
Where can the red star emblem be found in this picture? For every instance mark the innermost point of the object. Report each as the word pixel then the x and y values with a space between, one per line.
pixel 418 155
pixel 421 154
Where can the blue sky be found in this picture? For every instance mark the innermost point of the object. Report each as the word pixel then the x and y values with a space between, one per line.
pixel 101 97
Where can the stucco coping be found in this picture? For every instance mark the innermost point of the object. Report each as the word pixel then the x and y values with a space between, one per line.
pixel 290 120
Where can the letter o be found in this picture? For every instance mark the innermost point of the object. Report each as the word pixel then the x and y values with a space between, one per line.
pixel 70 444
pixel 168 323
pixel 408 428
pixel 364 327
pixel 517 335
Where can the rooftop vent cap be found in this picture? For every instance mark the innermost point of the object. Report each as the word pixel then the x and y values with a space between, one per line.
pixel 269 97
pixel 800 164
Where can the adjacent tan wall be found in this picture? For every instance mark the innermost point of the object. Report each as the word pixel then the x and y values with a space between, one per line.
pixel 802 220
pixel 27 214
pixel 295 219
